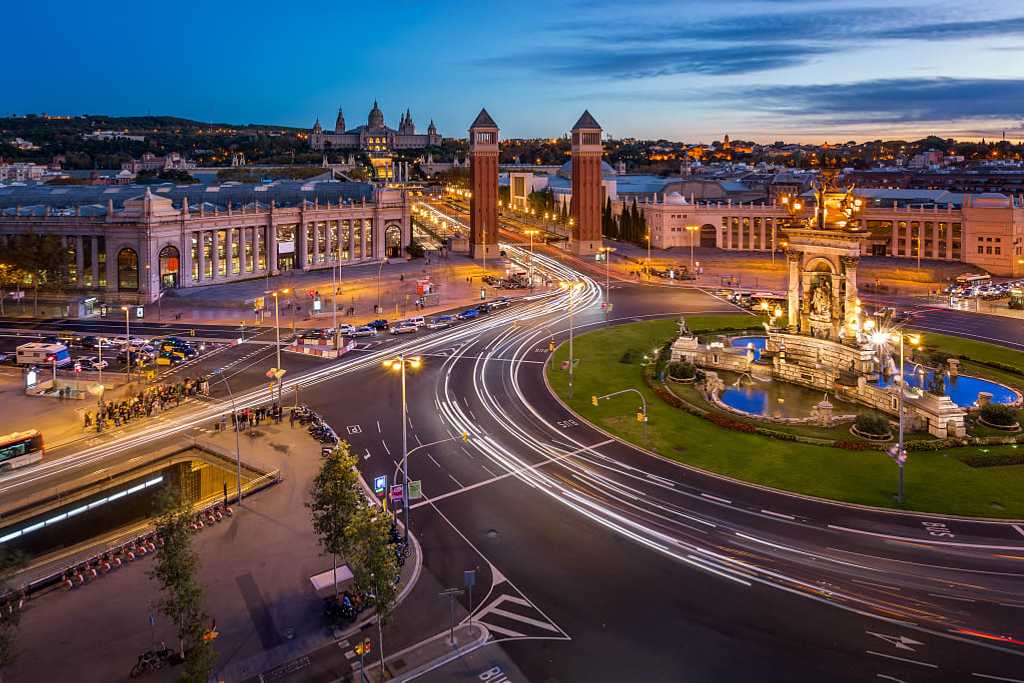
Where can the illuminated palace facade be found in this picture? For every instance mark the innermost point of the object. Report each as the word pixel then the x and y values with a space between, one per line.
pixel 127 244
pixel 984 230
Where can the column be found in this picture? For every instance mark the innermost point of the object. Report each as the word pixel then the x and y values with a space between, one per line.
pixel 94 246
pixel 215 254
pixel 229 239
pixel 849 264
pixel 302 250
pixel 362 234
pixel 763 245
pixel 935 240
pixel 893 239
pixel 270 244
pixel 201 253
pixel 351 240
pixel 793 304
pixel 79 260
pixel 316 242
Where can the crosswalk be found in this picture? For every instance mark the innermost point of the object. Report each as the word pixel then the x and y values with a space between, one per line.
pixel 509 615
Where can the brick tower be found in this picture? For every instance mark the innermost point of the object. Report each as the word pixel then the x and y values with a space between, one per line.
pixel 587 191
pixel 483 177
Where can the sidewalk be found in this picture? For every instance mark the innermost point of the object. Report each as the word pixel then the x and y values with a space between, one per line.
pixel 429 654
pixel 255 569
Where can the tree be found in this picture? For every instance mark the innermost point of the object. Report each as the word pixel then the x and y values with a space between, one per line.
pixel 10 611
pixel 176 566
pixel 42 258
pixel 374 564
pixel 334 500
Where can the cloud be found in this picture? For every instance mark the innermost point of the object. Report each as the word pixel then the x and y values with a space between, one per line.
pixel 650 62
pixel 1013 26
pixel 893 101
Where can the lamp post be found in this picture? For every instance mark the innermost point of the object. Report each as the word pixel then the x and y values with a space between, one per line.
pixel 530 232
pixel 648 265
pixel 693 229
pixel 572 287
pixel 278 370
pixel 900 455
pixel 607 251
pixel 399 365
pixel 238 448
pixel 128 339
pixel 379 269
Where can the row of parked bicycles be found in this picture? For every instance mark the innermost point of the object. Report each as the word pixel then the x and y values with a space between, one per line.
pixel 318 427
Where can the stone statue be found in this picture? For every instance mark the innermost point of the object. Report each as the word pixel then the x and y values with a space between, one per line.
pixel 821 300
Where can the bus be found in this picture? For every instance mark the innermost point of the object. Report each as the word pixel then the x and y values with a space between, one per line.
pixel 20 448
pixel 973 279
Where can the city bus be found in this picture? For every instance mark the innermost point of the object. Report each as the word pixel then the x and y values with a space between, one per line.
pixel 973 279
pixel 20 448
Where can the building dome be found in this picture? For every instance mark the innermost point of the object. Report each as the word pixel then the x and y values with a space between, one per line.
pixel 376 117
pixel 674 198
pixel 606 170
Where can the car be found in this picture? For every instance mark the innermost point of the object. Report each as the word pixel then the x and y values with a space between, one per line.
pixel 379 324
pixel 468 314
pixel 364 331
pixel 52 340
pixel 500 302
pixel 90 342
pixel 169 358
pixel 484 308
pixel 93 363
pixel 417 320
pixel 345 328
pixel 440 322
pixel 403 328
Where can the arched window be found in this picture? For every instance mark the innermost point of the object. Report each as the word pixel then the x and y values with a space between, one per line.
pixel 170 264
pixel 393 241
pixel 127 270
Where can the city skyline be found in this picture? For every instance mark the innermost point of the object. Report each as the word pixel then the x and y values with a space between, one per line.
pixel 699 70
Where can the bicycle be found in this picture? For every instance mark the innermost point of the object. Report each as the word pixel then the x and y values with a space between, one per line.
pixel 151 660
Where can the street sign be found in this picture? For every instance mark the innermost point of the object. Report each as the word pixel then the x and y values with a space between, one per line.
pixel 316 305
pixel 415 490
pixel 380 483
pixel 396 492
pixel 469 578
pixel 78 367
pixel 140 311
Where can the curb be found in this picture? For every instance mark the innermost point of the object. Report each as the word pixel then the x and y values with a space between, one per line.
pixel 426 668
pixel 762 487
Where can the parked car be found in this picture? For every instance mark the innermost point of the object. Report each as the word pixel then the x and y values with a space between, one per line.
pixel 440 322
pixel 345 328
pixel 379 324
pixel 417 320
pixel 469 314
pixel 364 331
pixel 403 328
pixel 93 363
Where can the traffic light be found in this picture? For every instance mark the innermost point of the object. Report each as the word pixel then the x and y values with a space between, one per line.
pixel 640 417
pixel 364 647
pixel 551 346
pixel 593 399
pixel 191 333
pixel 465 437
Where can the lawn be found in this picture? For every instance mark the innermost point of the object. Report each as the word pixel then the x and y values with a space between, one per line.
pixel 976 350
pixel 935 481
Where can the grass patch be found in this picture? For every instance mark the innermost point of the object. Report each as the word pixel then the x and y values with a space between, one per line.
pixel 979 351
pixel 935 481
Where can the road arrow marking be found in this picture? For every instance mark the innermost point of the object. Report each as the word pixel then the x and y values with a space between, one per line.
pixel 899 642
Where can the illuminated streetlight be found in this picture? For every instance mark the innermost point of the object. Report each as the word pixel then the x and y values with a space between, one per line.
pixel 398 365
pixel 572 287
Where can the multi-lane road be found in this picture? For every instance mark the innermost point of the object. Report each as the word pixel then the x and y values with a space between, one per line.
pixel 598 561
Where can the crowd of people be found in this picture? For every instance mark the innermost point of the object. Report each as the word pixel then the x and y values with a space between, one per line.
pixel 146 403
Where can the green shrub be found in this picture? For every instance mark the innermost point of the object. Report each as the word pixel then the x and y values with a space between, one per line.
pixel 682 370
pixel 991 459
pixel 872 424
pixel 631 356
pixel 999 414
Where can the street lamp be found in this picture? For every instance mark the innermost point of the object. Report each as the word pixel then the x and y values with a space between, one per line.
pixel 572 287
pixel 879 339
pixel 607 251
pixel 692 229
pixel 277 372
pixel 530 232
pixel 128 340
pixel 648 238
pixel 398 365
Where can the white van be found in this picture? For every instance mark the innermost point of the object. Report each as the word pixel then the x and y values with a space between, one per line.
pixel 418 321
pixel 38 353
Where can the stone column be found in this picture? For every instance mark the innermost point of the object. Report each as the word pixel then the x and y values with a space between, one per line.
pixel 215 254
pixel 201 254
pixel 79 260
pixel 270 244
pixel 763 245
pixel 849 264
pixel 351 240
pixel 94 246
pixel 316 242
pixel 793 304
pixel 935 241
pixel 728 233
pixel 302 248
pixel 362 232
pixel 229 243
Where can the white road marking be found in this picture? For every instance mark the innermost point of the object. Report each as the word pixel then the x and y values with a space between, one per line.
pixel 907 539
pixel 899 642
pixel 434 460
pixel 887 677
pixel 385 444
pixel 1019 528
pixel 663 480
pixel 457 482
pixel 997 678
pixel 777 514
pixel 951 597
pixel 378 427
pixel 488 470
pixel 902 659
pixel 367 456
pixel 716 498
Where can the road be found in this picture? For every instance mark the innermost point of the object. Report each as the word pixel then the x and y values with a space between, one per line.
pixel 597 561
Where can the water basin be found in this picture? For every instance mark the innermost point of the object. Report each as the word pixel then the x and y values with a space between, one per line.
pixel 775 399
pixel 755 344
pixel 963 389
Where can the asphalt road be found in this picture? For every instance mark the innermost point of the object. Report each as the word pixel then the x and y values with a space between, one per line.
pixel 598 562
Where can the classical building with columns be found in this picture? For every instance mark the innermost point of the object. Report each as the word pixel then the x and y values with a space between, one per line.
pixel 984 230
pixel 127 244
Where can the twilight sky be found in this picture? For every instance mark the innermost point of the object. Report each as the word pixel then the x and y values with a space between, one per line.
pixel 679 69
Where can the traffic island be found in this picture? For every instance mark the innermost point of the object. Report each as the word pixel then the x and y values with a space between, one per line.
pixel 947 480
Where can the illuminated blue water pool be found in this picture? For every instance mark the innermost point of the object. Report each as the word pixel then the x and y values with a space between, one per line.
pixel 963 390
pixel 756 344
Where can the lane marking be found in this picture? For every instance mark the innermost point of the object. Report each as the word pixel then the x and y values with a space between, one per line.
pixel 778 514
pixel 433 460
pixel 952 597
pixel 1019 528
pixel 385 444
pixel 457 482
pixel 887 677
pixel 902 659
pixel 906 539
pixel 997 678
pixel 716 498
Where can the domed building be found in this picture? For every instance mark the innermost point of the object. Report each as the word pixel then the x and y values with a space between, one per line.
pixel 374 136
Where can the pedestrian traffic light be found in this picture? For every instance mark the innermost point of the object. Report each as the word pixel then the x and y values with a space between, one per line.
pixel 593 399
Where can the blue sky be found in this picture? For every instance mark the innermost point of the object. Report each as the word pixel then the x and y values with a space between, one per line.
pixel 681 69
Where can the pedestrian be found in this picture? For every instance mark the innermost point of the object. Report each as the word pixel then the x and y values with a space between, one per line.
pixel 291 419
pixel 88 420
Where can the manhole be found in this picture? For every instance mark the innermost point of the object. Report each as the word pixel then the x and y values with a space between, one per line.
pixel 492 533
